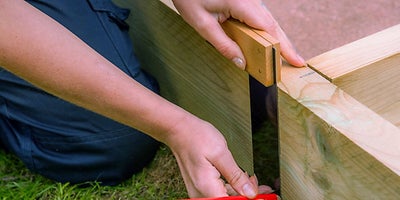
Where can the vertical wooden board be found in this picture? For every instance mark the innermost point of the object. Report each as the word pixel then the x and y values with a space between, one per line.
pixel 332 146
pixel 193 74
pixel 277 60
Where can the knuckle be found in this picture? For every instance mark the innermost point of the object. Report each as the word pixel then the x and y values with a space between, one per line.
pixel 203 24
pixel 219 149
pixel 201 185
pixel 224 48
pixel 236 177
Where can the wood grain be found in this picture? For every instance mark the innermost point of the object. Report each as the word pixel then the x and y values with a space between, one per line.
pixel 261 51
pixel 192 74
pixel 358 54
pixel 368 70
pixel 332 146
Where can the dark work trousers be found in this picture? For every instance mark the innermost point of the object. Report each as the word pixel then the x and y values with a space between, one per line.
pixel 65 142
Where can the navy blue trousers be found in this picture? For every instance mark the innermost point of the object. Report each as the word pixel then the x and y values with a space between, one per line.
pixel 62 141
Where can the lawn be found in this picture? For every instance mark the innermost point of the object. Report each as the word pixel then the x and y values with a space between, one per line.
pixel 160 180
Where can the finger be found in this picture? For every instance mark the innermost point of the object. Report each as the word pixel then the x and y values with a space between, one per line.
pixel 264 189
pixel 204 187
pixel 287 49
pixel 230 190
pixel 202 180
pixel 202 19
pixel 211 30
pixel 264 20
pixel 253 180
pixel 235 176
pixel 210 184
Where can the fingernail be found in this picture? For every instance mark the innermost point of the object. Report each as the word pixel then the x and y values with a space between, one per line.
pixel 239 62
pixel 248 190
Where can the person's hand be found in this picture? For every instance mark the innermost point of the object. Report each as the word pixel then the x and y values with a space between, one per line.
pixel 203 158
pixel 205 17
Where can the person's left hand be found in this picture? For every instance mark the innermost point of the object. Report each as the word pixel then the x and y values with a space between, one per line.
pixel 204 159
pixel 205 17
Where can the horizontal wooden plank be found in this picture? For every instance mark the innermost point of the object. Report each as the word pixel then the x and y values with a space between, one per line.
pixel 368 70
pixel 358 54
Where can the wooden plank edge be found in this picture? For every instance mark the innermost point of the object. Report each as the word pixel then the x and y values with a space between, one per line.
pixel 258 52
pixel 357 54
pixel 357 122
pixel 262 64
pixel 319 162
pixel 276 53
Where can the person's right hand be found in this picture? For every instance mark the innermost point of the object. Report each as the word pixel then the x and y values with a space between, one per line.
pixel 203 156
pixel 206 16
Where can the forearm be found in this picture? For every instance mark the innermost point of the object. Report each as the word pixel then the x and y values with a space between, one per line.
pixel 39 50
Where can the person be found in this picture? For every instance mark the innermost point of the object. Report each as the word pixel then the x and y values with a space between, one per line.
pixel 75 105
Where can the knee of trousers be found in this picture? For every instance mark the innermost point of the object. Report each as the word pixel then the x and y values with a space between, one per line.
pixel 108 159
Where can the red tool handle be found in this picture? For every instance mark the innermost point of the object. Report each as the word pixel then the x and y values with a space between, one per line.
pixel 259 197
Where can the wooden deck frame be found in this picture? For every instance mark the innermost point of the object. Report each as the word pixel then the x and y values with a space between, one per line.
pixel 336 142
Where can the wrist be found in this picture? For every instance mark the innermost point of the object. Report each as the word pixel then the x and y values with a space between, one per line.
pixel 181 130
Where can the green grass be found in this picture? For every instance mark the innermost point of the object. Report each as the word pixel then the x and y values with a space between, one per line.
pixel 160 180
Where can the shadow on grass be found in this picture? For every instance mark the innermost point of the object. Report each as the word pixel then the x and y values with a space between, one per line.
pixel 266 154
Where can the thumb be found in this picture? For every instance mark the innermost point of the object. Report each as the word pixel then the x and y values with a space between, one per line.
pixel 238 179
pixel 243 185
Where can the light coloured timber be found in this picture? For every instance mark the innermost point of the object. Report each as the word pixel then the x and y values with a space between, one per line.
pixel 338 122
pixel 260 53
pixel 368 70
pixel 331 145
pixel 193 75
pixel 358 54
pixel 261 50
